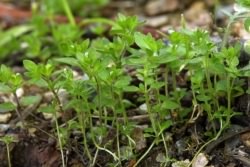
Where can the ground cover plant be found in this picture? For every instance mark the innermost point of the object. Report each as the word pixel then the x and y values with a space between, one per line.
pixel 113 99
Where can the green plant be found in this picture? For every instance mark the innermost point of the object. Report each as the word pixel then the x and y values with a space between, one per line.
pixel 241 13
pixel 8 140
pixel 43 75
pixel 214 75
pixel 10 82
pixel 98 96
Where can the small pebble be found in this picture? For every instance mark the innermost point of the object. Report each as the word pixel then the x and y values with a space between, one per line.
pixel 5 117
pixel 161 6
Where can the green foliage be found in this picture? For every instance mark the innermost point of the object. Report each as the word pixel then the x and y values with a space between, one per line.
pixel 104 80
pixel 79 7
pixel 8 39
pixel 245 3
pixel 8 106
pixel 12 81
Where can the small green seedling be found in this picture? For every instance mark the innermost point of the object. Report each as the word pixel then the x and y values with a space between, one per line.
pixel 8 140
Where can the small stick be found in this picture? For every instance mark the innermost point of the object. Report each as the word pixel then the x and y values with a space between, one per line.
pixel 225 137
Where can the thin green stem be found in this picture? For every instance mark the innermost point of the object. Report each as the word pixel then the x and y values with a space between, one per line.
pixel 166 81
pixel 95 157
pixel 151 116
pixel 174 80
pixel 8 154
pixel 98 89
pixel 83 127
pixel 83 130
pixel 57 100
pixel 18 109
pixel 210 141
pixel 145 154
pixel 227 33
pixel 116 121
pixel 123 109
pixel 165 145
pixel 118 141
pixel 229 91
pixel 59 140
pixel 68 12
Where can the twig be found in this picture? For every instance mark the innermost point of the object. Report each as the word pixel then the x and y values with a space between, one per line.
pixel 225 137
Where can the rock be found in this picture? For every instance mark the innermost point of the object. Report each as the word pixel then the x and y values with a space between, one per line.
pixel 220 12
pixel 210 3
pixel 157 21
pixel 200 161
pixel 19 92
pixel 181 163
pixel 5 117
pixel 139 138
pixel 143 108
pixel 197 15
pixel 47 116
pixel 239 31
pixel 194 11
pixel 4 127
pixel 245 138
pixel 32 131
pixel 161 6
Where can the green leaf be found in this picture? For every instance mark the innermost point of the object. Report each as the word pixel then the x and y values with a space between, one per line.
pixel 68 60
pixel 247 24
pixel 166 124
pixel 203 97
pixel 248 91
pixel 5 73
pixel 6 107
pixel 13 33
pixel 47 109
pixel 145 41
pixel 169 104
pixel 29 65
pixel 4 88
pixel 122 82
pixel 245 3
pixel 30 100
pixel 247 46
pixel 157 85
pixel 221 85
pixel 137 60
pixel 130 89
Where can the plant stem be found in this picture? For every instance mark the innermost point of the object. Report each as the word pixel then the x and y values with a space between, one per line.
pixel 8 154
pixel 57 100
pixel 166 81
pixel 84 129
pixel 98 89
pixel 165 145
pixel 174 80
pixel 229 91
pixel 59 140
pixel 226 34
pixel 151 116
pixel 94 159
pixel 123 109
pixel 18 109
pixel 144 155
pixel 118 140
pixel 116 121
pixel 68 12
pixel 204 145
